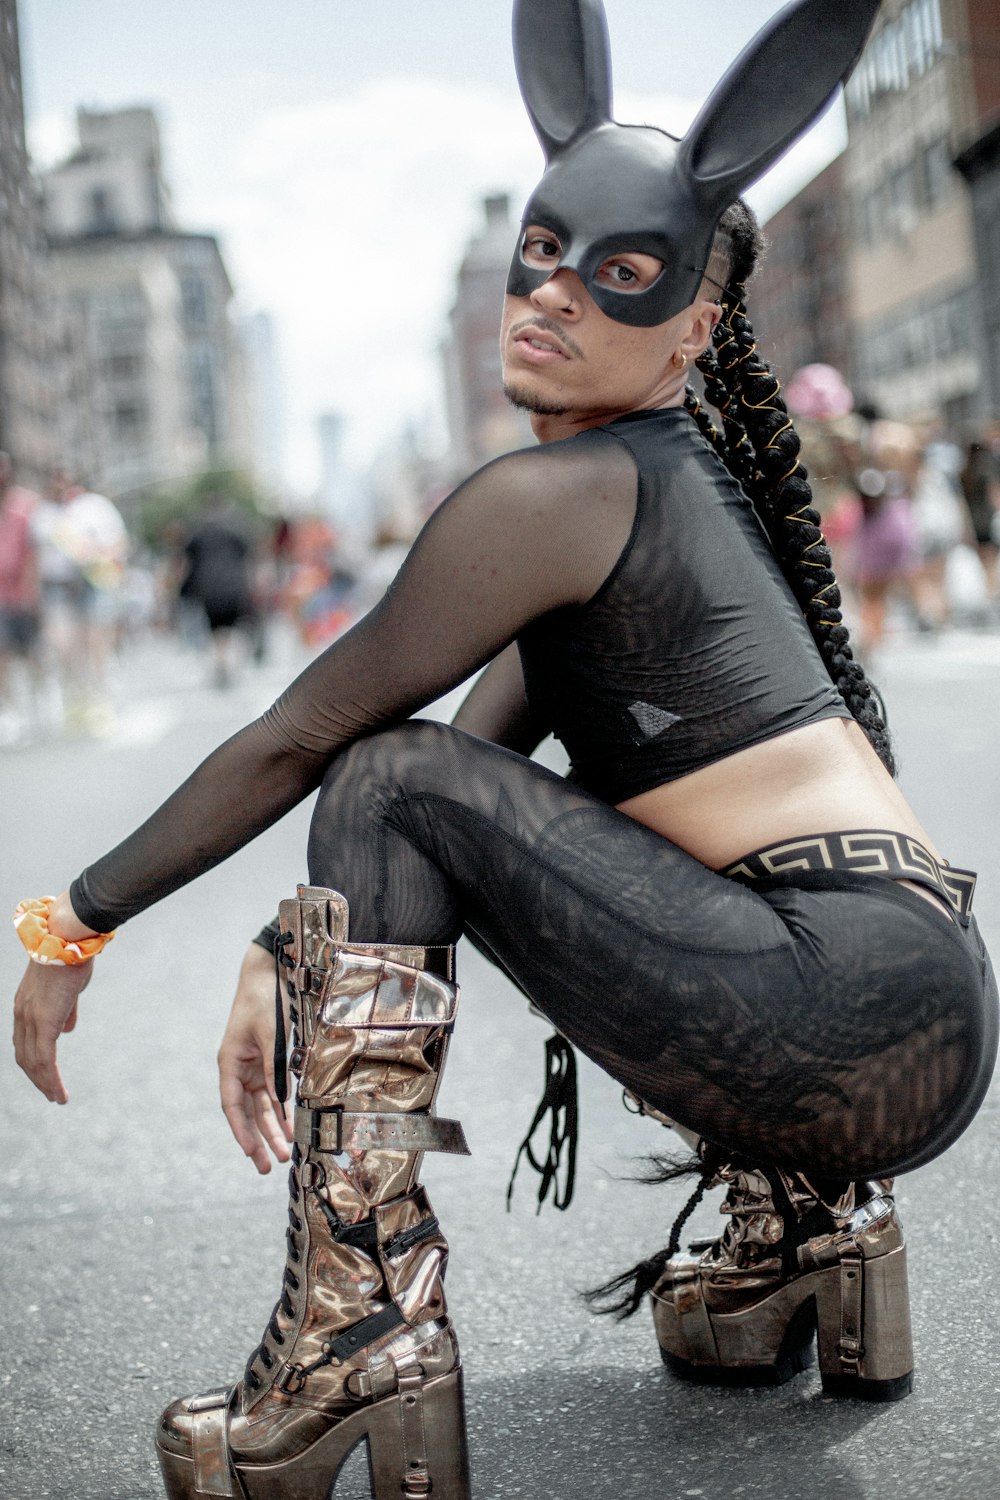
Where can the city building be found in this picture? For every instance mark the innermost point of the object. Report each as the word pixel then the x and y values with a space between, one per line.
pixel 146 307
pixel 979 164
pixel 481 422
pixel 926 82
pixel 797 298
pixel 26 333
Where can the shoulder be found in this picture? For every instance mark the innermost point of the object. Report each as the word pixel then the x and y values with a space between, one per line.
pixel 589 465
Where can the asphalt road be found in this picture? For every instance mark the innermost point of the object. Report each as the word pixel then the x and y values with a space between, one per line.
pixel 140 1254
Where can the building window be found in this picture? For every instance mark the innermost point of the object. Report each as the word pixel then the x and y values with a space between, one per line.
pixel 871 217
pixel 101 212
pixel 937 172
pixel 129 419
pixel 123 366
pixel 115 304
pixel 203 396
pixel 901 50
pixel 917 337
pixel 194 300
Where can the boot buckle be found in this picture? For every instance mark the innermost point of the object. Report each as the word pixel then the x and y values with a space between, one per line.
pixel 316 1133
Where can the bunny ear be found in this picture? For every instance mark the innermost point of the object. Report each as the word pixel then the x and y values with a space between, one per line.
pixel 777 86
pixel 563 66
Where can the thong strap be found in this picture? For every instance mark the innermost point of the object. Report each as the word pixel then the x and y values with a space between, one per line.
pixel 870 851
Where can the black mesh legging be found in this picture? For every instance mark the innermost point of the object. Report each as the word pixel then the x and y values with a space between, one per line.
pixel 842 1026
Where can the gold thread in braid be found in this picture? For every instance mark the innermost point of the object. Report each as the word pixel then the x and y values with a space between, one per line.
pixel 708 426
pixel 763 406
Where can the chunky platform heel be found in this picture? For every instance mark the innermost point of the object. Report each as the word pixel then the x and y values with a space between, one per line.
pixel 416 1448
pixel 798 1264
pixel 863 1317
pixel 761 1347
pixel 359 1348
pixel 790 1266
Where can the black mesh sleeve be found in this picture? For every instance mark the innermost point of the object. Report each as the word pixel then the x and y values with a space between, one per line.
pixel 531 532
pixel 496 707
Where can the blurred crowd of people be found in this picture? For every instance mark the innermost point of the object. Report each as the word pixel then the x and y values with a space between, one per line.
pixel 75 589
pixel 63 561
pixel 912 516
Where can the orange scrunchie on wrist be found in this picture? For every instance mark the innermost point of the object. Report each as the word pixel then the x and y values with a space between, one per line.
pixel 31 921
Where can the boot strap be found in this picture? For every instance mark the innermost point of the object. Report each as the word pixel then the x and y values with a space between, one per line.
pixel 337 1130
pixel 849 1347
pixel 309 980
pixel 210 1443
pixel 292 1378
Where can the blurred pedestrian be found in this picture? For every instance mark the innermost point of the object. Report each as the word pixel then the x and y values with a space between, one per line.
pixel 20 599
pixel 83 547
pixel 886 546
pixel 218 557
pixel 821 400
pixel 980 482
pixel 941 526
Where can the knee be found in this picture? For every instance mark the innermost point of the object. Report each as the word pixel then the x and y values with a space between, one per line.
pixel 392 761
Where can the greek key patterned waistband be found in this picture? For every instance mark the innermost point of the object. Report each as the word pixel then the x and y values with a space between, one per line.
pixel 870 851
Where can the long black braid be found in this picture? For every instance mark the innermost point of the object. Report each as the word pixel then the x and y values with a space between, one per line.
pixel 760 447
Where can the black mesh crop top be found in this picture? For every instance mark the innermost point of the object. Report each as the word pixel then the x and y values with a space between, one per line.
pixel 694 645
pixel 656 632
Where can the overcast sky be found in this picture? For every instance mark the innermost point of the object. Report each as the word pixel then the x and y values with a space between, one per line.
pixel 341 149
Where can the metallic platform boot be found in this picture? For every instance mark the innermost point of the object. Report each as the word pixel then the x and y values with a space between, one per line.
pixel 360 1346
pixel 794 1263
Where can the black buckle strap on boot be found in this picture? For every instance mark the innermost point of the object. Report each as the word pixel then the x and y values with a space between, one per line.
pixel 366 1332
pixel 293 1377
pixel 560 1100
pixel 360 1236
pixel 364 1234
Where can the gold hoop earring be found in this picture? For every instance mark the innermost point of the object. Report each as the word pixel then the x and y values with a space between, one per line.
pixel 678 360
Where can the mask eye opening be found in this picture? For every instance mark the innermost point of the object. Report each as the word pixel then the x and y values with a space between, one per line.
pixel 539 233
pixel 627 289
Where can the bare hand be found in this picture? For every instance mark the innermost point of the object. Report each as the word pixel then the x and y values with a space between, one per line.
pixel 44 1007
pixel 246 1065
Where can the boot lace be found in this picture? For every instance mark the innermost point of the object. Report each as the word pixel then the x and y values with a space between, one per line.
pixel 289 1282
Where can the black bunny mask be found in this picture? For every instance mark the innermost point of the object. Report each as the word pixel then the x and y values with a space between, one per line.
pixel 610 188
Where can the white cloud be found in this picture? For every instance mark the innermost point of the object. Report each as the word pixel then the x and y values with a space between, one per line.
pixel 347 220
pixel 51 138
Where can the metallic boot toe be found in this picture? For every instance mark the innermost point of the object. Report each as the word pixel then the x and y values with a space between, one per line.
pixel 175 1427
